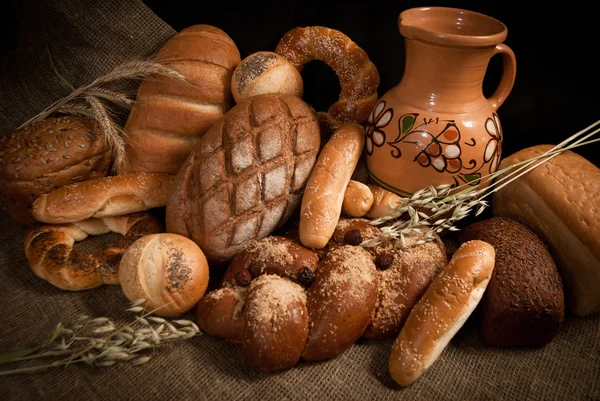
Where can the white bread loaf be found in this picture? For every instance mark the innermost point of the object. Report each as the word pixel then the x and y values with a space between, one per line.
pixel 560 201
pixel 169 117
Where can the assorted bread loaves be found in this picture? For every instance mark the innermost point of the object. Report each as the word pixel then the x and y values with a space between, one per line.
pixel 560 202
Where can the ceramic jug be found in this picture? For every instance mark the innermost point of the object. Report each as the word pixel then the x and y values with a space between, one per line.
pixel 436 126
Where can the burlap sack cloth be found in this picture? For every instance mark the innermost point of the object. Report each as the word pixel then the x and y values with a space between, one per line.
pixel 80 40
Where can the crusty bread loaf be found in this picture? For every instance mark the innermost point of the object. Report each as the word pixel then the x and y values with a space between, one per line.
pixel 247 175
pixel 524 302
pixel 324 195
pixel 441 312
pixel 167 270
pixel 103 197
pixel 169 117
pixel 560 201
pixel 265 72
pixel 47 155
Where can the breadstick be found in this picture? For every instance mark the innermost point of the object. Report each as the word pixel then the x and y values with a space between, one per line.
pixel 442 311
pixel 358 199
pixel 324 193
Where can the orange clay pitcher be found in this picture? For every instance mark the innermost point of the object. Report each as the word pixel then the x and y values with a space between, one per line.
pixel 436 126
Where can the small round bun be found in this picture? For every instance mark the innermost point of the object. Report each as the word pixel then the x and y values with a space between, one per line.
pixel 169 271
pixel 265 72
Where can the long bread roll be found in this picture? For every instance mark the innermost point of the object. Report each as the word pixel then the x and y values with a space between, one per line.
pixel 442 311
pixel 560 201
pixel 169 117
pixel 324 193
pixel 103 197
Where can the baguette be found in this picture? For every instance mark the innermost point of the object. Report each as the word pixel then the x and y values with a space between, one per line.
pixel 560 202
pixel 442 311
pixel 324 193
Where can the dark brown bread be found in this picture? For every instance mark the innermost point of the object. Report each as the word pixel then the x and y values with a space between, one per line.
pixel 247 176
pixel 524 303
pixel 47 155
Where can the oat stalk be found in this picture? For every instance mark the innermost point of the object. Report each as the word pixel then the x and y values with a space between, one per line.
pixel 100 342
pixel 101 99
pixel 445 205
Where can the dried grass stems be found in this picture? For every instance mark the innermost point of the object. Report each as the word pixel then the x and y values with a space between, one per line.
pixel 107 97
pixel 435 209
pixel 99 342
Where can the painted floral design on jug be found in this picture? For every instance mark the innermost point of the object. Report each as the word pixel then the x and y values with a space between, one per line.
pixel 436 126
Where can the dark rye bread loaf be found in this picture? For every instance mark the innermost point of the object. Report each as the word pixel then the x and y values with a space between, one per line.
pixel 247 175
pixel 524 302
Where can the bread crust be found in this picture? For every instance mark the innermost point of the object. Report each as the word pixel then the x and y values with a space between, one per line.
pixel 559 201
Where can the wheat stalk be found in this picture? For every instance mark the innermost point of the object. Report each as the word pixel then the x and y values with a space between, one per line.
pixel 100 100
pixel 99 342
pixel 447 205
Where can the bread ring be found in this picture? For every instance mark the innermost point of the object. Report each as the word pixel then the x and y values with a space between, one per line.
pixel 49 250
pixel 359 78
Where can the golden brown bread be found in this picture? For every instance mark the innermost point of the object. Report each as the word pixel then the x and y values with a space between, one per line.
pixel 560 201
pixel 169 117
pixel 247 176
pixel 51 256
pixel 47 155
pixel 524 304
pixel 220 313
pixel 358 76
pixel 340 302
pixel 385 203
pixel 167 270
pixel 103 197
pixel 265 72
pixel 358 199
pixel 441 312
pixel 271 255
pixel 275 323
pixel 324 194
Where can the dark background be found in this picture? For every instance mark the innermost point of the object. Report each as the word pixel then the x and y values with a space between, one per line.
pixel 555 93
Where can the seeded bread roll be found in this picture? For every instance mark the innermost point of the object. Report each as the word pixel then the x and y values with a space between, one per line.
pixel 265 72
pixel 524 303
pixel 169 271
pixel 47 155
pixel 560 201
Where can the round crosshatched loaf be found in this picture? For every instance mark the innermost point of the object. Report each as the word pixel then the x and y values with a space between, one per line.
pixel 247 176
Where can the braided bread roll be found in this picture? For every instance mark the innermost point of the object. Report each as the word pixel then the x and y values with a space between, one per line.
pixel 359 78
pixel 169 117
pixel 49 250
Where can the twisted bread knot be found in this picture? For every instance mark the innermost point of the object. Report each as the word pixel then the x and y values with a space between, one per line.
pixel 49 250
pixel 359 78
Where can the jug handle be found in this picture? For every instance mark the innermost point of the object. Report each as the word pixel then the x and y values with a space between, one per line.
pixel 509 73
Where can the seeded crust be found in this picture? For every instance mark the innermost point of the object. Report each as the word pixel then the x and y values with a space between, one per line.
pixel 47 155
